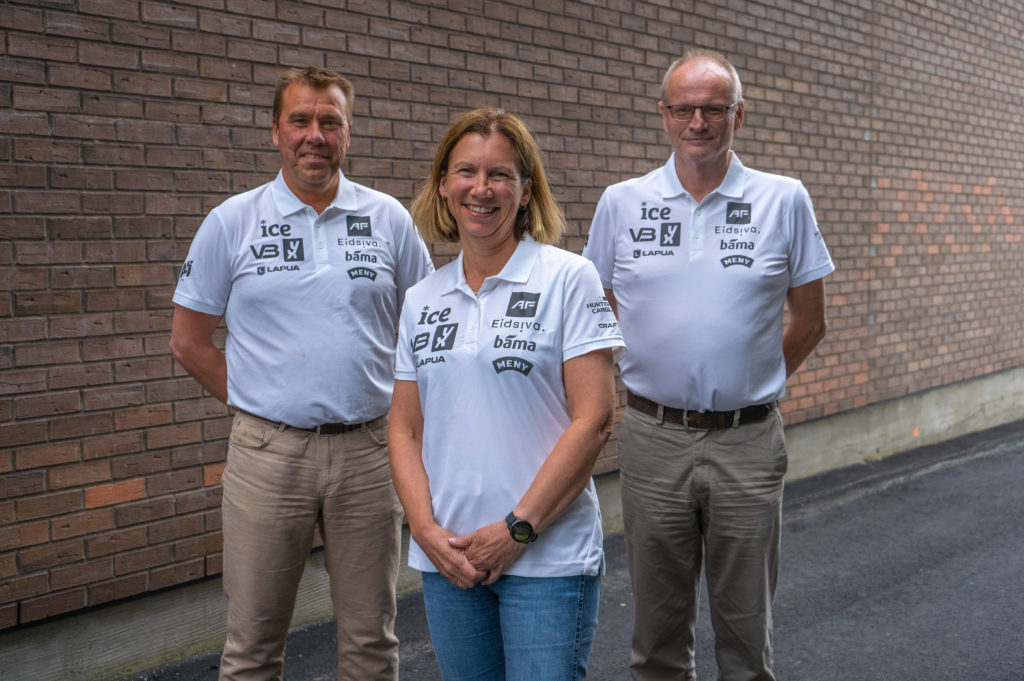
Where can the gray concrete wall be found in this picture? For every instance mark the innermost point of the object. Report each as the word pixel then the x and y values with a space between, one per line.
pixel 129 637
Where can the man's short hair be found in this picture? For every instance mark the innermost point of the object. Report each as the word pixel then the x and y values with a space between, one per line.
pixel 318 79
pixel 695 53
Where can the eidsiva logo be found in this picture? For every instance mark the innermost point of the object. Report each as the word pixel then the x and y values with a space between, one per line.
pixel 737 213
pixel 359 225
pixel 522 304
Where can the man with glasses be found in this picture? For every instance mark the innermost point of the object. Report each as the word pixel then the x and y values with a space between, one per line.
pixel 699 259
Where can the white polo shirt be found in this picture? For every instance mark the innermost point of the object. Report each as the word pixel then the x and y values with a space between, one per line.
pixel 701 287
pixel 489 372
pixel 311 301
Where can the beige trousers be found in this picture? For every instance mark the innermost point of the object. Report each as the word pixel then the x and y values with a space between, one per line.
pixel 693 500
pixel 279 484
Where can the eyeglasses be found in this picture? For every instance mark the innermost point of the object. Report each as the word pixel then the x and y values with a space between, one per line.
pixel 711 113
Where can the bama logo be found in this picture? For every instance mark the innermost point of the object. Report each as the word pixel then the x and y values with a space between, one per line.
pixel 443 338
pixel 359 225
pixel 522 304
pixel 523 366
pixel 731 260
pixel 737 213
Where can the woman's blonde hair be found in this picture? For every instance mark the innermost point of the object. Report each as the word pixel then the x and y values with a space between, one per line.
pixel 541 218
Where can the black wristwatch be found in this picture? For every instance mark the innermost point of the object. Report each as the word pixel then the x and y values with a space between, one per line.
pixel 521 530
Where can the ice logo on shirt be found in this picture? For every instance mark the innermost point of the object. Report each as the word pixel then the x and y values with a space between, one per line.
pixel 522 304
pixel 523 366
pixel 359 225
pixel 737 213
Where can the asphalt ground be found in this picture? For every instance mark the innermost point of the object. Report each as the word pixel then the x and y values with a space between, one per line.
pixel 910 568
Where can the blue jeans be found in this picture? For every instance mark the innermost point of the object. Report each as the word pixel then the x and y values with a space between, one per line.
pixel 517 629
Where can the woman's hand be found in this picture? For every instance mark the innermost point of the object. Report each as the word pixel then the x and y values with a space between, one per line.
pixel 490 549
pixel 450 560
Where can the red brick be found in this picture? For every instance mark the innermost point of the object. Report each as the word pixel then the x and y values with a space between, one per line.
pixel 22 587
pixel 141 464
pixel 48 505
pixel 8 616
pixel 116 542
pixel 51 555
pixel 112 444
pixel 39 456
pixel 53 604
pixel 177 574
pixel 115 493
pixel 51 404
pixel 79 475
pixel 79 426
pixel 144 511
pixel 143 559
pixel 25 534
pixel 79 524
pixel 115 589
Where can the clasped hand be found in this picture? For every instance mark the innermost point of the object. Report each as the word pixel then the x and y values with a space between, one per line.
pixel 480 557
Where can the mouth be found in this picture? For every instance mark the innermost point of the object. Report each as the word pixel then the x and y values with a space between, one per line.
pixel 480 210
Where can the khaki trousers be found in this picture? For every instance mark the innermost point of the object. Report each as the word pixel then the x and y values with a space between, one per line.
pixel 695 499
pixel 279 484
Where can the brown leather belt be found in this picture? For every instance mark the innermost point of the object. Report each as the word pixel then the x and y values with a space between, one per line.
pixel 700 420
pixel 322 429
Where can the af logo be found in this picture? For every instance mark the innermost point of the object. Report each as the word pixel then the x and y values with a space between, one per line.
pixel 359 225
pixel 737 213
pixel 522 304
pixel 186 270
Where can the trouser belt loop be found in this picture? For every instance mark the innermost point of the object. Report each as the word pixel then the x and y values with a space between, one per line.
pixel 736 418
pixel 686 420
pixel 661 414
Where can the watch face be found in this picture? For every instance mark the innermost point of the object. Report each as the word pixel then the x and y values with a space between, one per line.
pixel 521 531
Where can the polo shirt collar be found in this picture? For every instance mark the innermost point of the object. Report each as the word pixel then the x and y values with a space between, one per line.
pixel 288 203
pixel 516 271
pixel 732 185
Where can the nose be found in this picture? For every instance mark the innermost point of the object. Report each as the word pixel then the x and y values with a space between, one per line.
pixel 315 135
pixel 481 183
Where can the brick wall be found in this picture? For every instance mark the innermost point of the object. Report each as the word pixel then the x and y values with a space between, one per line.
pixel 124 122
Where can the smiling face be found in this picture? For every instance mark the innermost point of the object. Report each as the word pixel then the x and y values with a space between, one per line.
pixel 484 189
pixel 312 134
pixel 701 82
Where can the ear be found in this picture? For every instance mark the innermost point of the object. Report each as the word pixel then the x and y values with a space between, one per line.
pixel 527 193
pixel 739 117
pixel 442 186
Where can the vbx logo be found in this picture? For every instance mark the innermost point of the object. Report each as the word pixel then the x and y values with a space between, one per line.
pixel 523 366
pixel 670 233
pixel 265 251
pixel 443 338
pixel 737 213
pixel 522 304
pixel 642 234
pixel 293 250
pixel 359 225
